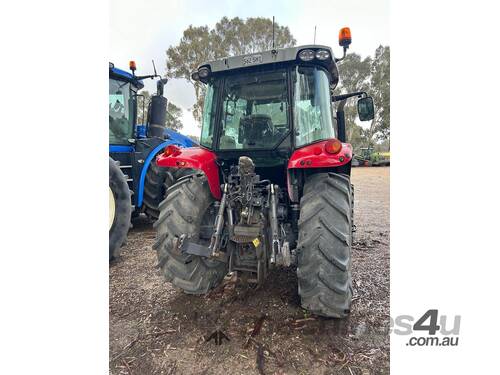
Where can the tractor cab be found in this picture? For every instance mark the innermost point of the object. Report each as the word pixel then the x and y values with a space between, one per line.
pixel 266 105
pixel 123 88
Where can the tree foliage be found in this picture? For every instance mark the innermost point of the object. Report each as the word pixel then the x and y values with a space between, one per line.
pixel 354 76
pixel 174 113
pixel 380 86
pixel 229 37
pixel 142 106
pixel 372 75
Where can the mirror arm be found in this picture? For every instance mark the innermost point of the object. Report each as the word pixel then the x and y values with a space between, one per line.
pixel 340 106
pixel 359 94
pixel 341 121
pixel 343 57
pixel 342 99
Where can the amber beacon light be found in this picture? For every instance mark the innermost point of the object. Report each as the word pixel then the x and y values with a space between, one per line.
pixel 132 66
pixel 345 37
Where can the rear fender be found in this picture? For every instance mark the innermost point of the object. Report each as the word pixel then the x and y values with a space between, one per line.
pixel 147 162
pixel 195 158
pixel 314 156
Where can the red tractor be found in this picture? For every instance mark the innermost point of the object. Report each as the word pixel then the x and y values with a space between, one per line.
pixel 272 186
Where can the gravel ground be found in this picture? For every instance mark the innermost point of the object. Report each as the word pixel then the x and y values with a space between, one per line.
pixel 156 329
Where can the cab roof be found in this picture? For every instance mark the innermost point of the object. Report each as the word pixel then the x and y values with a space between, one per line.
pixel 124 76
pixel 279 55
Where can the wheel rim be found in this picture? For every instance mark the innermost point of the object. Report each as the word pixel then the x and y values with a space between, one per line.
pixel 112 209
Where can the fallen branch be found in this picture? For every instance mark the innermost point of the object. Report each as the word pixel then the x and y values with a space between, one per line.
pixel 157 334
pixel 256 329
pixel 127 366
pixel 266 348
pixel 260 359
pixel 129 345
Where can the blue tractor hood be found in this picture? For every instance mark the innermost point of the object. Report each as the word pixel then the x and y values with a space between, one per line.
pixel 180 138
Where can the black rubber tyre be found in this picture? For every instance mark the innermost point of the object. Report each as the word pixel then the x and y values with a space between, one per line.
pixel 324 246
pixel 188 207
pixel 120 220
pixel 156 184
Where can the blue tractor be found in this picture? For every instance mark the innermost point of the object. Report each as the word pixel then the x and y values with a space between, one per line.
pixel 136 184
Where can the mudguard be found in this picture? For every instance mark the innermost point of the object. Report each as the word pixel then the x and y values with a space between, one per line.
pixel 194 158
pixel 315 156
pixel 142 179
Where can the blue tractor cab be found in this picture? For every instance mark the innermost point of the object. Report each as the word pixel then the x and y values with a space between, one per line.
pixel 133 149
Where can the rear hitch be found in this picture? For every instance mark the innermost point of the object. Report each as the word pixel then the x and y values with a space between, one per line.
pixel 273 220
pixel 215 241
pixel 280 252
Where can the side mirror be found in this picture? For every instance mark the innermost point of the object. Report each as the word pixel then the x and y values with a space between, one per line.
pixel 366 110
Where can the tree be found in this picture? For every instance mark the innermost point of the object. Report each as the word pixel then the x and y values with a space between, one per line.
pixel 229 37
pixel 373 76
pixel 174 113
pixel 380 85
pixel 194 138
pixel 354 76
pixel 142 106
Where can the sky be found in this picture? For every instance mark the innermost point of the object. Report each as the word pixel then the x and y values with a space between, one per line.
pixel 143 30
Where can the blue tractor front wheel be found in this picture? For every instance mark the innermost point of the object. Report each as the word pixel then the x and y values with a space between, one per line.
pixel 120 208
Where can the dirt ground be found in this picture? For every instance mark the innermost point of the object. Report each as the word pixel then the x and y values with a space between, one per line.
pixel 156 329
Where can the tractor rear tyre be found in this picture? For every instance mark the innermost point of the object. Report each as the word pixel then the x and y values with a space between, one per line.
pixel 188 210
pixel 120 209
pixel 324 245
pixel 158 180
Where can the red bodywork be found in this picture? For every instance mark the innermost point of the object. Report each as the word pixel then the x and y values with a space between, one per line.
pixel 311 156
pixel 194 158
pixel 315 156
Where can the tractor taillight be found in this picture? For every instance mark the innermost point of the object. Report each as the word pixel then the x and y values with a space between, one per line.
pixel 333 146
pixel 171 150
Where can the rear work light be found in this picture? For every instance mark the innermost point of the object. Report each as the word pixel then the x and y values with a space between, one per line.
pixel 322 54
pixel 306 55
pixel 203 72
pixel 333 146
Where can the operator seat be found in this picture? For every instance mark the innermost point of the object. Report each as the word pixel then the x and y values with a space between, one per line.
pixel 256 131
pixel 227 142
